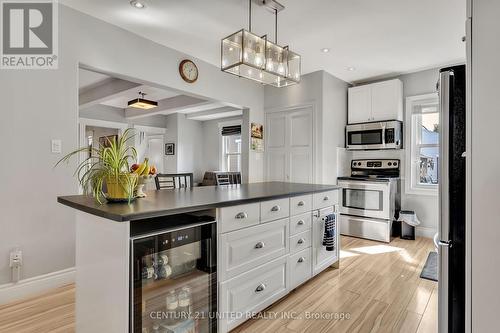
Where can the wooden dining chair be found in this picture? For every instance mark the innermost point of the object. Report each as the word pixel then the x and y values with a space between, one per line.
pixel 168 181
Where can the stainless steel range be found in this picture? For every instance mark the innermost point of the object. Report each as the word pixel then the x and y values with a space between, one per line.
pixel 371 198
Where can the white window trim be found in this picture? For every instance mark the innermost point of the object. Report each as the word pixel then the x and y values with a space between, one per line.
pixel 410 187
pixel 221 142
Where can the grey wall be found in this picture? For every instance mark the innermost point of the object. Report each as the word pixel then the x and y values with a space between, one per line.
pixel 43 105
pixel 328 95
pixel 485 162
pixel 425 206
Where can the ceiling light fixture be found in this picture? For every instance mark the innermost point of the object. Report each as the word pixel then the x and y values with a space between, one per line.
pixel 273 64
pixel 351 69
pixel 137 4
pixel 142 103
pixel 325 50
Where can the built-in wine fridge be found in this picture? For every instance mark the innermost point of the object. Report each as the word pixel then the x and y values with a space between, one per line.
pixel 174 278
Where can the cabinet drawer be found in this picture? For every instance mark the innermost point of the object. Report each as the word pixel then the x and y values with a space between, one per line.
pixel 237 217
pixel 300 223
pixel 252 292
pixel 365 228
pixel 299 268
pixel 300 242
pixel 274 209
pixel 242 250
pixel 325 199
pixel 299 205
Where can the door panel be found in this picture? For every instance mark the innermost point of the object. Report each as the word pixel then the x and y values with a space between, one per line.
pixel 289 151
pixel 300 166
pixel 276 129
pixel 276 165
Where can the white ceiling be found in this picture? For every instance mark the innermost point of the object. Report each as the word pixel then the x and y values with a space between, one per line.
pixel 376 37
pixel 152 93
pixel 89 80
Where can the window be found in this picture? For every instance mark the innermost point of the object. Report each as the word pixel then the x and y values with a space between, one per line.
pixel 422 153
pixel 232 153
pixel 231 147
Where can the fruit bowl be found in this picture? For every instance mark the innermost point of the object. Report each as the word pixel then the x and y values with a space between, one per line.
pixel 145 173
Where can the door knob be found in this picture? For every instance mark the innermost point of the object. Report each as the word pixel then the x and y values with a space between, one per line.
pixel 326 198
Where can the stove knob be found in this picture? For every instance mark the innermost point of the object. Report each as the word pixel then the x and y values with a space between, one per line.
pixel 389 164
pixel 395 163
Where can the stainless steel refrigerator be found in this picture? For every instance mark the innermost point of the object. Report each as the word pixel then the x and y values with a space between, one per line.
pixel 452 85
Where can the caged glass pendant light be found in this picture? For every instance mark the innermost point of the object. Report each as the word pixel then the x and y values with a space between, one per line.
pixel 248 55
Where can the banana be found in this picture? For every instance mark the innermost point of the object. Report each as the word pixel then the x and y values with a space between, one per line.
pixel 140 169
pixel 145 171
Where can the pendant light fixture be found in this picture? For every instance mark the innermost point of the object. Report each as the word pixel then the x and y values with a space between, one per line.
pixel 247 55
pixel 142 103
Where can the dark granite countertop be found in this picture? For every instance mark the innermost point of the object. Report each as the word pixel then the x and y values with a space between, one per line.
pixel 168 202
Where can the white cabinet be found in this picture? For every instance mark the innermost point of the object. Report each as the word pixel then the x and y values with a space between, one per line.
pixel 252 291
pixel 360 103
pixel 376 102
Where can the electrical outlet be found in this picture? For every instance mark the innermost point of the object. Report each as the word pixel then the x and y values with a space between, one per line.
pixel 16 259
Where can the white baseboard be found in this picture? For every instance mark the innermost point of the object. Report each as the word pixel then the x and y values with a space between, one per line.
pixel 11 292
pixel 425 232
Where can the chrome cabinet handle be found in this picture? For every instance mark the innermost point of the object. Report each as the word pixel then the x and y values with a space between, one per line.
pixel 260 287
pixel 241 216
pixel 275 208
pixel 300 222
pixel 260 245
pixel 301 259
pixel 301 203
pixel 301 241
pixel 326 198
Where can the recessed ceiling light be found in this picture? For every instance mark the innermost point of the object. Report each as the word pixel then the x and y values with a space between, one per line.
pixel 137 4
pixel 325 50
pixel 351 69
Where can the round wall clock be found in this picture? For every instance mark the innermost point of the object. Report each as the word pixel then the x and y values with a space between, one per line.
pixel 188 71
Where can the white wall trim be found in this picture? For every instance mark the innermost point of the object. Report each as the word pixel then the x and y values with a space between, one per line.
pixel 150 129
pixel 425 232
pixel 410 188
pixel 103 123
pixel 11 292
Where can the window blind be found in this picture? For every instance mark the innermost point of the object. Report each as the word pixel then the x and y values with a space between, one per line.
pixel 231 130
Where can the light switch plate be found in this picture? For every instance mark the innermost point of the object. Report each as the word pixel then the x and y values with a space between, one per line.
pixel 56 146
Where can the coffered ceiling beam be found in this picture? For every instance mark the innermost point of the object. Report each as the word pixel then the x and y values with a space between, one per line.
pixel 106 91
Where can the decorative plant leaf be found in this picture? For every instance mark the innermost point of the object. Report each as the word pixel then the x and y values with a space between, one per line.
pixel 111 162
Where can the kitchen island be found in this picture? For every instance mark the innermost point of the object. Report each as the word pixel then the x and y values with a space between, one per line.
pixel 266 240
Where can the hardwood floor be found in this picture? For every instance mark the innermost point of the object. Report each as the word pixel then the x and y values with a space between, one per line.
pixel 376 289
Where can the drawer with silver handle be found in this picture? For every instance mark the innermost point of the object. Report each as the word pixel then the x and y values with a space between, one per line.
pixel 299 267
pixel 325 199
pixel 300 223
pixel 252 291
pixel 248 248
pixel 237 217
pixel 300 241
pixel 300 204
pixel 274 209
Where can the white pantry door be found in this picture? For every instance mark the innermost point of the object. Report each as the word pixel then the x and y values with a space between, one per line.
pixel 289 146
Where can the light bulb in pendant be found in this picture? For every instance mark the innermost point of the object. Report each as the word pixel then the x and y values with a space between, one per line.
pixel 281 69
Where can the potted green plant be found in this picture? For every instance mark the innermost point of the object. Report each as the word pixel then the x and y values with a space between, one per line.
pixel 107 167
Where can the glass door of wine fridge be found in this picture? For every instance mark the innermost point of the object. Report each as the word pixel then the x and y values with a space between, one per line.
pixel 174 281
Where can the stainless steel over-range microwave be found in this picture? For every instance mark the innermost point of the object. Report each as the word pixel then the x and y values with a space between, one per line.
pixel 374 135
